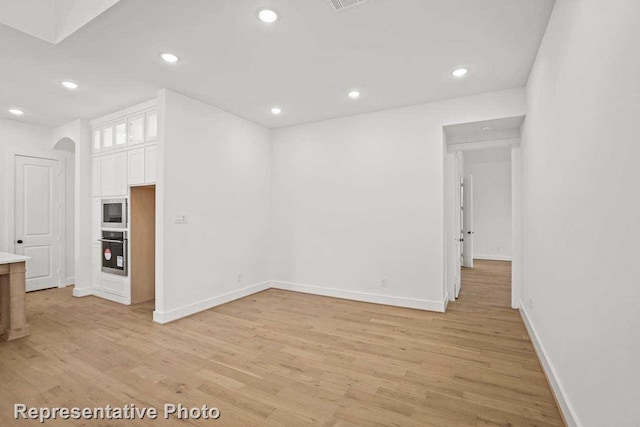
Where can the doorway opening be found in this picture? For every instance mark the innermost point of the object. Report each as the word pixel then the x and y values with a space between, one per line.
pixel 142 241
pixel 482 226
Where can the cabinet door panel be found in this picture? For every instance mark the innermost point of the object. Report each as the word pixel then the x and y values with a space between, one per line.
pixel 115 285
pixel 136 129
pixel 150 165
pixel 96 140
pixel 107 137
pixel 121 134
pixel 114 174
pixel 96 265
pixel 108 175
pixel 121 174
pixel 96 220
pixel 96 176
pixel 152 126
pixel 136 166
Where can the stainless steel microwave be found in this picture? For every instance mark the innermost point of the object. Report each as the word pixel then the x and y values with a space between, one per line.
pixel 114 213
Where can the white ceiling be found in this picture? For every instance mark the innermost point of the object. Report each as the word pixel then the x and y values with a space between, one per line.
pixel 396 52
pixel 51 20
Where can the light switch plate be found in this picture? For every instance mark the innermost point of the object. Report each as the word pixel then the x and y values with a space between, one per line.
pixel 181 219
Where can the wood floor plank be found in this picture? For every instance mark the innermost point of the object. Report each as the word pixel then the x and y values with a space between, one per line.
pixel 282 358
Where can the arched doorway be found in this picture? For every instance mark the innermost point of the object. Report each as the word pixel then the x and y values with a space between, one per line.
pixel 68 223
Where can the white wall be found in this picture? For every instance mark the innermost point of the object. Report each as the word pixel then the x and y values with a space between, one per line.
pixel 16 135
pixel 491 171
pixel 581 208
pixel 28 139
pixel 216 169
pixel 361 198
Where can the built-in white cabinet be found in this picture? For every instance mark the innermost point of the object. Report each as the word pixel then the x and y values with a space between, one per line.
pixel 96 177
pixel 107 138
pixel 142 165
pixel 136 166
pixel 150 164
pixel 96 220
pixel 124 157
pixel 96 265
pixel 152 126
pixel 96 140
pixel 114 174
pixel 136 129
pixel 115 285
pixel 120 134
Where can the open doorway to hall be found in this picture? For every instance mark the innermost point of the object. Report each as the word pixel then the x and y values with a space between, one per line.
pixel 481 185
pixel 486 226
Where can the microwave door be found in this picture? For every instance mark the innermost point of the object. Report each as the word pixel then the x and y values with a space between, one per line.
pixel 114 213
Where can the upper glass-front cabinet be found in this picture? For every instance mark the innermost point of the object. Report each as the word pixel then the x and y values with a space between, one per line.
pixel 152 126
pixel 107 137
pixel 121 134
pixel 134 130
pixel 97 144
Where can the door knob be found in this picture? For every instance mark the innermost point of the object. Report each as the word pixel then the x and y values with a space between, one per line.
pixel 19 242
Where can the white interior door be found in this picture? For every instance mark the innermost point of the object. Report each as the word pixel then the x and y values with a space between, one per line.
pixel 467 222
pixel 37 225
pixel 456 230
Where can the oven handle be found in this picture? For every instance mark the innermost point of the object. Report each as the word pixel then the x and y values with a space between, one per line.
pixel 112 241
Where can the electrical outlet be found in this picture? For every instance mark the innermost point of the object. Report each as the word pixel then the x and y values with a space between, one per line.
pixel 383 282
pixel 239 277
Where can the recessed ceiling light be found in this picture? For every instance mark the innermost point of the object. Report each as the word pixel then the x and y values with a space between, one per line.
pixel 354 94
pixel 267 16
pixel 169 57
pixel 276 110
pixel 486 128
pixel 460 72
pixel 16 112
pixel 69 84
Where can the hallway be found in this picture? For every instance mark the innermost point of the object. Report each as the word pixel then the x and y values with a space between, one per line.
pixel 487 286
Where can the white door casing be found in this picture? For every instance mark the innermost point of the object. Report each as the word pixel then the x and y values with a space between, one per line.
pixel 37 219
pixel 467 231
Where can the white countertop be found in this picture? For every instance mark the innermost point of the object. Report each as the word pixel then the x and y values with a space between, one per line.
pixel 7 258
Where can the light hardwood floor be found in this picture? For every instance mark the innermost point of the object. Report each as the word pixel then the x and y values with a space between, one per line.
pixel 280 358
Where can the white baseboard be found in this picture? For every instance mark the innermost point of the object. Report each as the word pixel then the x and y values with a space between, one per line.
pixel 187 310
pixel 111 296
pixel 67 282
pixel 438 306
pixel 568 413
pixel 493 257
pixel 82 292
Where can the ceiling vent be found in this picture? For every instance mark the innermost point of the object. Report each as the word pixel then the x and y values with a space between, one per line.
pixel 344 4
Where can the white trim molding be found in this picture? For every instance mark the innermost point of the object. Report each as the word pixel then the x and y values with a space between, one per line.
pixel 82 292
pixel 111 296
pixel 566 409
pixel 188 310
pixel 67 282
pixel 493 257
pixel 420 304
